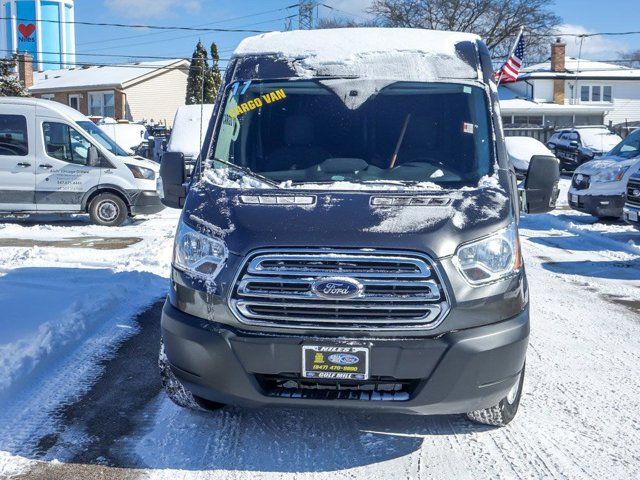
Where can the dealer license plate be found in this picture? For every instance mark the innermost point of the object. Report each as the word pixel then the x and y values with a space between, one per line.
pixel 633 216
pixel 574 198
pixel 335 362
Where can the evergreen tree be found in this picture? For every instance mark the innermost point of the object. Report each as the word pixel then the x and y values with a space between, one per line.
pixel 10 86
pixel 216 76
pixel 198 73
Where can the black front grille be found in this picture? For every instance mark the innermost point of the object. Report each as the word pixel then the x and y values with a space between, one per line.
pixel 580 181
pixel 633 191
pixel 375 389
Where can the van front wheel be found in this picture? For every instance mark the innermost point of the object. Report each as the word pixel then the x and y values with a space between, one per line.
pixel 501 414
pixel 108 209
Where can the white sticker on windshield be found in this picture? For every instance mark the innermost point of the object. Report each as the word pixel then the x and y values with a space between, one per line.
pixel 466 89
pixel 468 127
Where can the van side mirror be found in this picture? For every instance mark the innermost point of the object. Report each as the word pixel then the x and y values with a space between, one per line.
pixel 172 173
pixel 541 185
pixel 93 157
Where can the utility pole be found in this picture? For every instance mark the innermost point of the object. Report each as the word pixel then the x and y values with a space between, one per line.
pixel 306 19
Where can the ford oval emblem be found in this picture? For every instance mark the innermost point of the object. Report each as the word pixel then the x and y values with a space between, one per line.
pixel 337 288
pixel 636 193
pixel 343 359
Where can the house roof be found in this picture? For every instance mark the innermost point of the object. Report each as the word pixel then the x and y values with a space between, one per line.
pixel 112 76
pixel 580 69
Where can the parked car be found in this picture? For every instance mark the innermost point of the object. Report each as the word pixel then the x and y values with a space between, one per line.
pixel 335 249
pixel 599 187
pixel 521 150
pixel 54 159
pixel 128 135
pixel 631 211
pixel 574 146
pixel 189 131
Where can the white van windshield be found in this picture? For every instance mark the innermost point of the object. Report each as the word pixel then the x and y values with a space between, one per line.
pixel 103 138
pixel 311 132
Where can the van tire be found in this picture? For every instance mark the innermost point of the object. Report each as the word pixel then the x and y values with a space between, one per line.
pixel 501 414
pixel 177 392
pixel 108 209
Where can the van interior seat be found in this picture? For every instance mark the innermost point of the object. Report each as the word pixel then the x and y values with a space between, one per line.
pixel 299 151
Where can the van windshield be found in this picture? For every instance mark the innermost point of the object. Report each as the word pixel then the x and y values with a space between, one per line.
pixel 317 132
pixel 103 138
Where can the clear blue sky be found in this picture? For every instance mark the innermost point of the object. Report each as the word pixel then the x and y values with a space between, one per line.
pixel 579 15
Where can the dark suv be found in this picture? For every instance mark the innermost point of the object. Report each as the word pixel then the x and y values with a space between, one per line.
pixel 575 146
pixel 349 236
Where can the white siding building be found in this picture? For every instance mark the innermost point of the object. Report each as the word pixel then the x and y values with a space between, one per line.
pixel 572 92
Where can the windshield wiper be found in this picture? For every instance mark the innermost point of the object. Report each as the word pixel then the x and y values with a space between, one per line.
pixel 247 171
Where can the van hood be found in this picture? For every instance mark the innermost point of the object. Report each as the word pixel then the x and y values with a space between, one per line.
pixel 141 162
pixel 596 166
pixel 436 224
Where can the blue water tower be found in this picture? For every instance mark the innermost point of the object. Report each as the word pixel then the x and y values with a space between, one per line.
pixel 44 28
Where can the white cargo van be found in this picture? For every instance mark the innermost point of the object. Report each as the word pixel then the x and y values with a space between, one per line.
pixel 54 159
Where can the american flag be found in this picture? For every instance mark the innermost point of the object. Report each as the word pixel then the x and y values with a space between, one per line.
pixel 509 71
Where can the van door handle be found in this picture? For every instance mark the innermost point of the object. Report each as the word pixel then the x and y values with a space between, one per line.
pixel 45 165
pixel 24 164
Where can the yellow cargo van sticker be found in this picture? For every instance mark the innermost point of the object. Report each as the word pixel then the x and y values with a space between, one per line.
pixel 249 105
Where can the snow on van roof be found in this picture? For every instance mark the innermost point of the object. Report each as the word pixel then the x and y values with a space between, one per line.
pixel 409 53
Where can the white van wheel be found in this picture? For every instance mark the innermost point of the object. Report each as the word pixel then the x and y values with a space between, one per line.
pixel 108 209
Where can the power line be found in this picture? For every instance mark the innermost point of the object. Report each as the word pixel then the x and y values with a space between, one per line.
pixel 344 12
pixel 200 25
pixel 114 55
pixel 150 27
pixel 114 65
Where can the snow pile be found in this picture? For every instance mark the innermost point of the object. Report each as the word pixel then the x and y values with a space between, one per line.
pixel 521 149
pixel 394 53
pixel 189 129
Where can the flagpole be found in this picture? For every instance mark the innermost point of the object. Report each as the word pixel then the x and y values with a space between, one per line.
pixel 513 49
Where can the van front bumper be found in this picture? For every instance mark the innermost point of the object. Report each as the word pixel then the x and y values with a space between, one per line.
pixel 597 205
pixel 145 202
pixel 456 372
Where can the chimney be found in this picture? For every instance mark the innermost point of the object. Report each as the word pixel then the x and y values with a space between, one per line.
pixel 557 66
pixel 25 69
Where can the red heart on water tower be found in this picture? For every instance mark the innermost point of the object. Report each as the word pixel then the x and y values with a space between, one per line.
pixel 26 30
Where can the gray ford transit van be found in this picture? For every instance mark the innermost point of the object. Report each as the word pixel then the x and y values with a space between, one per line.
pixel 349 237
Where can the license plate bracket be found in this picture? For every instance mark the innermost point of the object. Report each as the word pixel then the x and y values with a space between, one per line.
pixel 633 216
pixel 335 362
pixel 574 198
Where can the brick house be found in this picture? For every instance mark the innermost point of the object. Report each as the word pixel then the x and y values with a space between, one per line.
pixel 135 92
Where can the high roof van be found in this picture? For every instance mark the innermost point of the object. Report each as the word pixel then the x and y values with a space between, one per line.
pixel 349 237
pixel 54 159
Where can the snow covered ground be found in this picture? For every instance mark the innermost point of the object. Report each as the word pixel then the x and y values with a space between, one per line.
pixel 69 303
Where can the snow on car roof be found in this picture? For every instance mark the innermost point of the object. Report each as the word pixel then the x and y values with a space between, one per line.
pixel 411 54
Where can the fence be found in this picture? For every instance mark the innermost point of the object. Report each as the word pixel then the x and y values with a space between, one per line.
pixel 541 134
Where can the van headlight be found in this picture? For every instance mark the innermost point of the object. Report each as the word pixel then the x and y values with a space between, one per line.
pixel 491 258
pixel 610 174
pixel 197 254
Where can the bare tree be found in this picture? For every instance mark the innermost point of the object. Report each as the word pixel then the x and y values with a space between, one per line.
pixel 343 22
pixel 633 58
pixel 496 21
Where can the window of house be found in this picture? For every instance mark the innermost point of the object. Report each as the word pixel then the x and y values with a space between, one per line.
pixel 596 93
pixel 65 143
pixel 74 101
pixel 102 104
pixel 584 93
pixel 13 135
pixel 48 96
